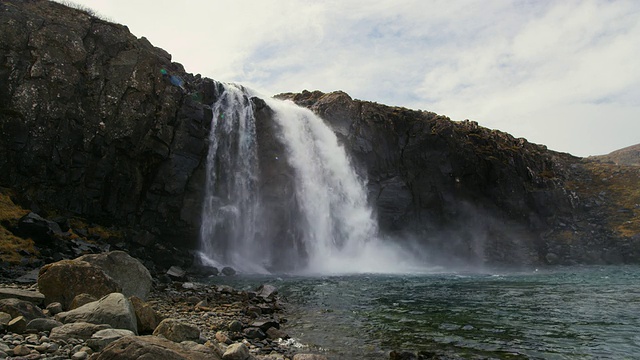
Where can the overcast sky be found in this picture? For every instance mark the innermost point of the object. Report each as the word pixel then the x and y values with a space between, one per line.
pixel 561 73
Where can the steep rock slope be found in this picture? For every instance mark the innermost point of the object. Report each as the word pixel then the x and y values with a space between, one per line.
pixel 90 126
pixel 477 194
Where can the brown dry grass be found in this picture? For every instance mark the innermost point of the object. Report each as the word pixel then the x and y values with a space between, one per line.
pixel 10 245
pixel 618 187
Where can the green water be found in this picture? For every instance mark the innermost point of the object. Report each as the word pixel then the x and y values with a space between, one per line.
pixel 568 313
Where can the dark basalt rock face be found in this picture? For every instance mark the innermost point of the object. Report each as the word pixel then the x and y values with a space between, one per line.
pixel 467 192
pixel 90 126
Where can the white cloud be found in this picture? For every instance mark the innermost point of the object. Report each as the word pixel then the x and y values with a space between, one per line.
pixel 544 70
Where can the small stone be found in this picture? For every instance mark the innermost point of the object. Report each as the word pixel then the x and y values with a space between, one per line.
pixel 192 300
pixel 223 338
pixel 21 350
pixel 235 326
pixel 80 355
pixel 17 325
pixel 254 333
pixel 54 308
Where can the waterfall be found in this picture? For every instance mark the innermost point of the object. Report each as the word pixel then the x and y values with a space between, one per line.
pixel 336 228
pixel 231 208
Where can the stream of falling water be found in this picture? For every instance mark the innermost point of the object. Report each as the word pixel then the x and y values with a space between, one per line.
pixel 339 231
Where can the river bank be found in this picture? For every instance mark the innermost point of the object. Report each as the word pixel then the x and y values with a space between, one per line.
pixel 216 322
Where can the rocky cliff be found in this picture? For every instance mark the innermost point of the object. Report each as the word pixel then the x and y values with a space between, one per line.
pixel 100 130
pixel 92 127
pixel 481 195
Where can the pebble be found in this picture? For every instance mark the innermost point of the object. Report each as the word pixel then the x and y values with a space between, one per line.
pixel 221 309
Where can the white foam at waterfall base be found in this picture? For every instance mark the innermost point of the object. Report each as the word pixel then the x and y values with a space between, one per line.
pixel 341 234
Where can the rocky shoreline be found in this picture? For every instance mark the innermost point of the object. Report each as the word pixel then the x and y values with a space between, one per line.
pixel 178 319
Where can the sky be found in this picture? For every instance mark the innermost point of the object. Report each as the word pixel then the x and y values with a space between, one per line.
pixel 565 74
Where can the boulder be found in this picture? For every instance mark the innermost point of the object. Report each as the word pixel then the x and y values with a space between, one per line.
pixel 43 324
pixel 62 281
pixel 266 291
pixel 228 271
pixel 153 347
pixel 114 309
pixel 102 338
pixel 237 351
pixel 27 295
pixel 178 331
pixel 147 318
pixel 176 273
pixel 78 330
pixel 128 272
pixel 38 228
pixel 16 307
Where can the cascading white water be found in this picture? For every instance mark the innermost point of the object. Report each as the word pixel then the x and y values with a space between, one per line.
pixel 339 233
pixel 231 208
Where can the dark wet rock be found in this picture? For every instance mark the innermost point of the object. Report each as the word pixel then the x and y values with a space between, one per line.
pixel 235 326
pixel 266 325
pixel 254 333
pixel 113 309
pixel 30 277
pixel 228 271
pixel 128 272
pixel 38 228
pixel 177 330
pixel 16 307
pixel 275 334
pixel 64 280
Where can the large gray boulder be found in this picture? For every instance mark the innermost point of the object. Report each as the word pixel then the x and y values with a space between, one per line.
pixel 114 309
pixel 62 281
pixel 154 347
pixel 128 272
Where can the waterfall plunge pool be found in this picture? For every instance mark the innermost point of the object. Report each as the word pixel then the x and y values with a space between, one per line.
pixel 559 313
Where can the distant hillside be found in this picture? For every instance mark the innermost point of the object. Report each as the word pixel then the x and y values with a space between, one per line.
pixel 627 156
